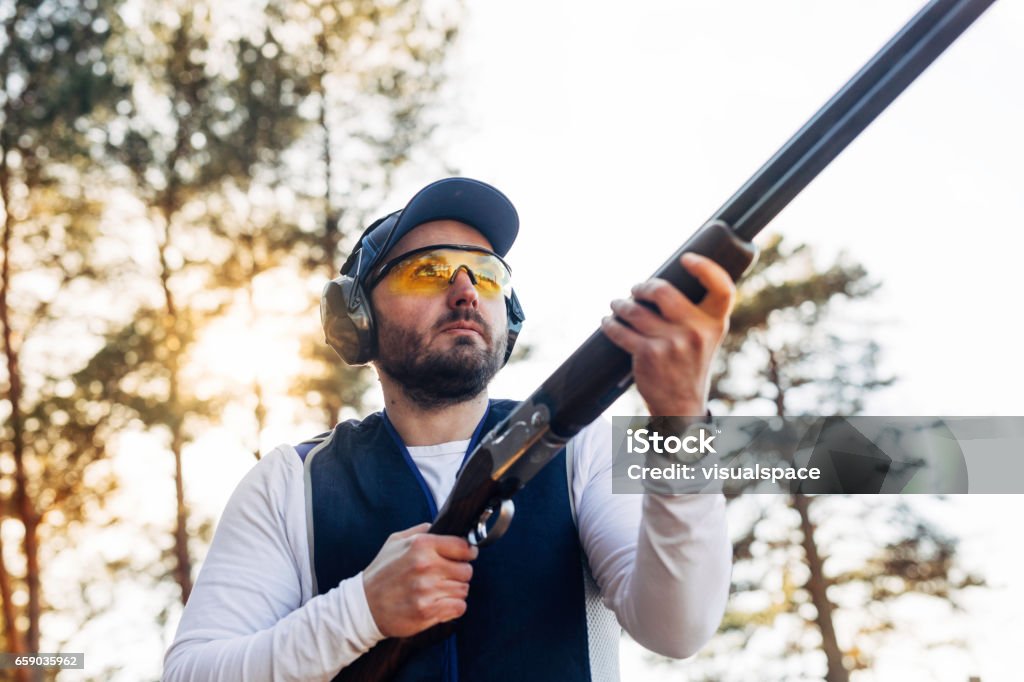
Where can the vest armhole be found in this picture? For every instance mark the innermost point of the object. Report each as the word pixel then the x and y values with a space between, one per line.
pixel 602 627
pixel 318 444
pixel 570 451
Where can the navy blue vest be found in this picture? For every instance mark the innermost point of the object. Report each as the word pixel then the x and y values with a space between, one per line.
pixel 526 618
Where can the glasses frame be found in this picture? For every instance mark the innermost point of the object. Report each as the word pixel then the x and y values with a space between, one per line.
pixel 387 267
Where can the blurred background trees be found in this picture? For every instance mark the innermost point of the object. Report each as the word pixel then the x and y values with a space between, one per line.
pixel 57 93
pixel 160 164
pixel 820 583
pixel 177 181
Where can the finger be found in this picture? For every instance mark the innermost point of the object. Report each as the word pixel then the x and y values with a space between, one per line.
pixel 621 335
pixel 641 318
pixel 672 304
pixel 455 548
pixel 448 609
pixel 458 571
pixel 453 589
pixel 713 277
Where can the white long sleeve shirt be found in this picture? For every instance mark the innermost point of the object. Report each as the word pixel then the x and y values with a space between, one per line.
pixel 662 563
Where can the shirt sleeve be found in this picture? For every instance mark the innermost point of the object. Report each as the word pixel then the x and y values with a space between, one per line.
pixel 251 614
pixel 663 562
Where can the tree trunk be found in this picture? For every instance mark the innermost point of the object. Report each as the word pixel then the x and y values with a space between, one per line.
pixel 12 638
pixel 331 237
pixel 817 585
pixel 182 559
pixel 260 409
pixel 15 642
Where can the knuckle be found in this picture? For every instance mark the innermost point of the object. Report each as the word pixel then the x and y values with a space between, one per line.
pixel 422 607
pixel 680 345
pixel 691 339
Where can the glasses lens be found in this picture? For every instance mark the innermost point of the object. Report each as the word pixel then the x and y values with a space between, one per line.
pixel 491 276
pixel 431 272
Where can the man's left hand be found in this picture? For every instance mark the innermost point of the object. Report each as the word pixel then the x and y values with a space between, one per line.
pixel 673 347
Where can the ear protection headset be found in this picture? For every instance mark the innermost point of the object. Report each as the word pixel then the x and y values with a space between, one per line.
pixel 346 313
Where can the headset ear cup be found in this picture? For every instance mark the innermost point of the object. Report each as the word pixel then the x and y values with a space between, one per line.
pixel 347 320
pixel 516 317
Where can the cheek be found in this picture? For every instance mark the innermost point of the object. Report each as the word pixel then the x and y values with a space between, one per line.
pixel 406 314
pixel 497 315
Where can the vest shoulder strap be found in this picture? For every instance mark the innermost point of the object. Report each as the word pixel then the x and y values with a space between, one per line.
pixel 306 446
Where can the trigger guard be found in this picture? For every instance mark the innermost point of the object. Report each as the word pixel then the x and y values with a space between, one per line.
pixel 481 536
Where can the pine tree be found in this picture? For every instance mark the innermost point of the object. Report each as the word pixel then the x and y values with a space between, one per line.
pixel 820 585
pixel 56 94
pixel 214 105
pixel 376 109
pixel 231 148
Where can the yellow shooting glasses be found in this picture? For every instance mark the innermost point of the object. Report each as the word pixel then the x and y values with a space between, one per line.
pixel 432 269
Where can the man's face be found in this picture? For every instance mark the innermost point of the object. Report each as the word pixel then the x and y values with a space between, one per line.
pixel 442 348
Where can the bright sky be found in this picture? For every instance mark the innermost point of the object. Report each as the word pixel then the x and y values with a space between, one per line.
pixel 618 131
pixel 618 128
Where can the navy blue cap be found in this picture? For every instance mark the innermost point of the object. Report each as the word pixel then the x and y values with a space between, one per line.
pixel 475 203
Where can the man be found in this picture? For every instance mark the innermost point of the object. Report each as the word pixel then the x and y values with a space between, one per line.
pixel 322 550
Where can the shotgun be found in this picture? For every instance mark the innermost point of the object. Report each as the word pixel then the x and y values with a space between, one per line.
pixel 588 382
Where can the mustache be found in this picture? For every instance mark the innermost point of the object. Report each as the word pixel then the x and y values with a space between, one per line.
pixel 463 315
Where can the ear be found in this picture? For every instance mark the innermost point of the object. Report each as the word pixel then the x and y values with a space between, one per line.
pixel 347 319
pixel 516 317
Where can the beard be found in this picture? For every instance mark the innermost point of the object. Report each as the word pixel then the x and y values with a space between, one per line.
pixel 438 378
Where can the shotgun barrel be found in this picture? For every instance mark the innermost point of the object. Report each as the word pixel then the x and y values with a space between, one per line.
pixel 598 372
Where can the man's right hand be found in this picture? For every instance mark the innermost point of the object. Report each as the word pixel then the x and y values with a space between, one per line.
pixel 418 580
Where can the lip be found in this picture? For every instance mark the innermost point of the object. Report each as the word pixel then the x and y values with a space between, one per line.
pixel 463 327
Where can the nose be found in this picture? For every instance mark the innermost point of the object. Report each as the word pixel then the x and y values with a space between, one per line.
pixel 462 290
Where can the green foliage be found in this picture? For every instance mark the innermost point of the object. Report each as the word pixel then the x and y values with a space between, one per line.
pixel 212 144
pixel 882 558
pixel 329 385
pixel 57 83
pixel 779 329
pixel 56 93
pixel 130 373
pixel 208 105
pixel 862 557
